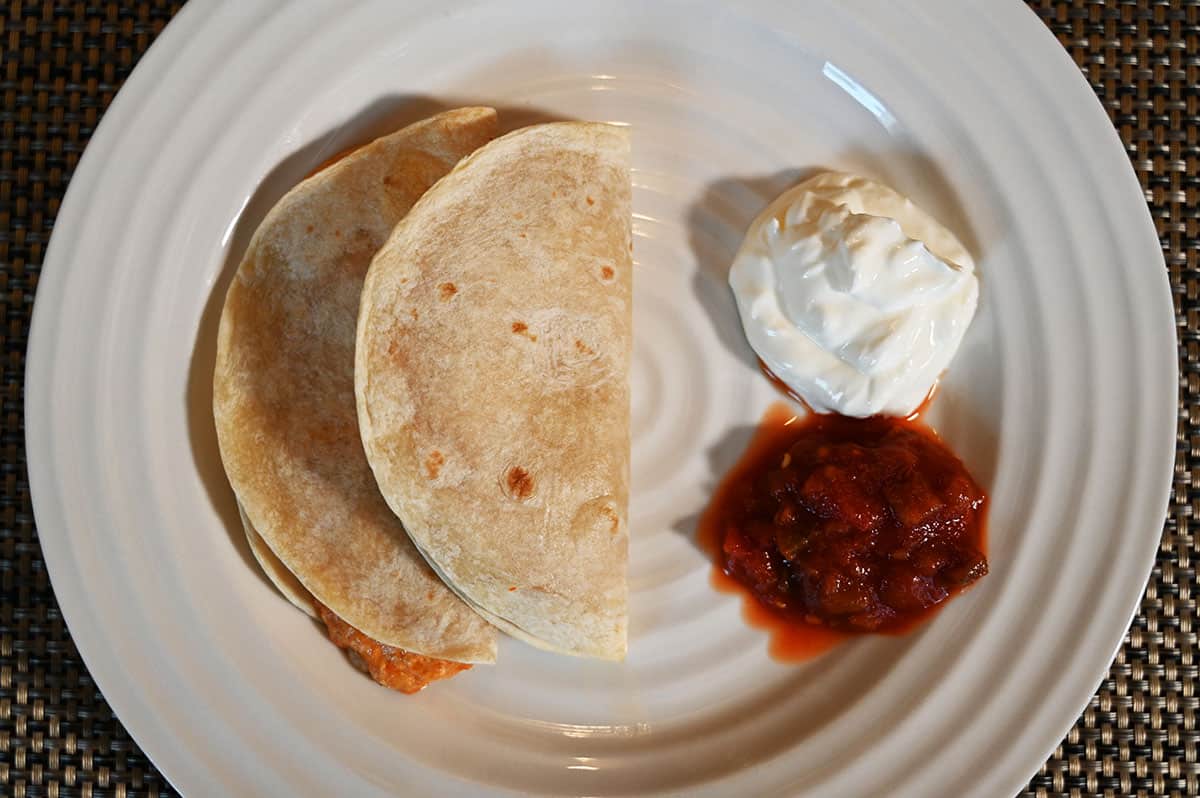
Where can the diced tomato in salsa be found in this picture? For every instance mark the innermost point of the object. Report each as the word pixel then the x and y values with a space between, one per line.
pixel 860 525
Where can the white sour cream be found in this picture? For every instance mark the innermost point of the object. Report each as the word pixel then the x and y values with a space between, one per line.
pixel 853 296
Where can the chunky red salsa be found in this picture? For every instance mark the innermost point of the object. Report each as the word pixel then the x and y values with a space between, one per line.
pixel 850 525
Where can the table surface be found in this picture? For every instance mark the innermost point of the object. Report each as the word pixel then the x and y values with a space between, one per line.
pixel 62 62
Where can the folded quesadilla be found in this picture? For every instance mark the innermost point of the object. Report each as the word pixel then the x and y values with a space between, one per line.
pixel 492 379
pixel 285 409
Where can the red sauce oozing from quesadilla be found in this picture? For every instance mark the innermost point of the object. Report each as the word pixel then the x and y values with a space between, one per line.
pixel 835 526
pixel 390 666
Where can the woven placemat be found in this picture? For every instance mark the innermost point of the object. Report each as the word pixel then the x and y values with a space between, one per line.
pixel 63 61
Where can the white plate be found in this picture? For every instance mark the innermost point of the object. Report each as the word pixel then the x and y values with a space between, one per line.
pixel 1062 399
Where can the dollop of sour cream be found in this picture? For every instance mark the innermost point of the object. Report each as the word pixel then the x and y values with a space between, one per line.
pixel 853 296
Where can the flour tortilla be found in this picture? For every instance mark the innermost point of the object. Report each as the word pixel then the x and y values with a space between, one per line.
pixel 492 378
pixel 284 393
pixel 284 580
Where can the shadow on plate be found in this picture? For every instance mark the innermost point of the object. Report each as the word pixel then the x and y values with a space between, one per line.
pixel 716 223
pixel 721 457
pixel 384 116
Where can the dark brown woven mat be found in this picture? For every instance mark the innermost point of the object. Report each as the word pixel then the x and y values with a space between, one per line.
pixel 63 61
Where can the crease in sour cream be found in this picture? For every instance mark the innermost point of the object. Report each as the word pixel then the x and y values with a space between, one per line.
pixel 853 296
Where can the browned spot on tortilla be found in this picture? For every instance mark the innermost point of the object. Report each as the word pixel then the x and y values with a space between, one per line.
pixel 554 194
pixel 390 666
pixel 448 290
pixel 414 314
pixel 591 201
pixel 395 350
pixel 607 272
pixel 521 328
pixel 520 483
pixel 613 519
pixel 511 589
pixel 429 595
pixel 337 233
pixel 522 235
pixel 583 348
pixel 433 463
pixel 308 229
pixel 518 215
